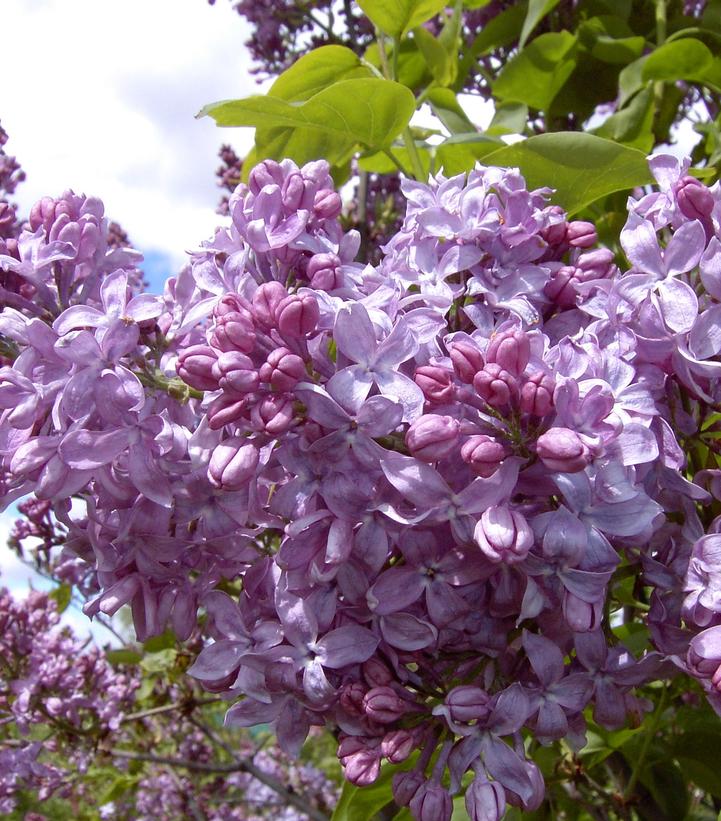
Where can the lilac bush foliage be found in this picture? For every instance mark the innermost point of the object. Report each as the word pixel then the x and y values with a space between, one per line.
pixel 425 472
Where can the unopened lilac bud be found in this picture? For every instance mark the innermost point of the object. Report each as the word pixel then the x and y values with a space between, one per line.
pixel 351 698
pixel 432 437
pixel 555 233
pixel 503 535
pixel 265 301
pixel 582 616
pixel 596 264
pixel 42 213
pixel 485 800
pixel 483 454
pixel 467 360
pixel 297 316
pixel 233 463
pixel 398 745
pixel 324 272
pixel 537 394
pixel 406 785
pixel 327 204
pixel 292 191
pixel 195 367
pixel 383 705
pixel 273 414
pixel 435 382
pixel 562 450
pixel 361 760
pixel 432 802
pixel 283 369
pixel 559 288
pixel 581 234
pixel 265 173
pixel 468 703
pixel 225 410
pixel 511 350
pixel 695 201
pixel 497 386
pixel 235 372
pixel 234 331
pixel 704 655
pixel 376 673
pixel 7 219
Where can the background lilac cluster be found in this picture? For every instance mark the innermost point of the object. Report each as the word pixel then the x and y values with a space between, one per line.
pixel 425 472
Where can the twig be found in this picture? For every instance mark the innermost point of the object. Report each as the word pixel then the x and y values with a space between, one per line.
pixel 167 708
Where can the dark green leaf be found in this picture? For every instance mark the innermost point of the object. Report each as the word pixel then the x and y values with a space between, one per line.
pixel 397 17
pixel 123 656
pixel 632 125
pixel 581 167
pixel 362 803
pixel 117 789
pixel 501 30
pixel 686 59
pixel 460 153
pixel 665 781
pixel 536 74
pixel 537 10
pixel 446 107
pixel 62 595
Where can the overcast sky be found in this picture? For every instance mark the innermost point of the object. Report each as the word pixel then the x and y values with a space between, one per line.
pixel 100 97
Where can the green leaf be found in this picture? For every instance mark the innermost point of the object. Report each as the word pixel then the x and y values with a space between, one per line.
pixel 697 753
pixel 665 781
pixel 397 17
pixel 510 118
pixel 123 655
pixel 367 111
pixel 537 10
pixel 686 59
pixel 380 163
pixel 459 810
pixel 412 69
pixel 317 70
pixel 630 80
pixel 536 74
pixel 117 788
pixel 610 40
pixel 449 111
pixel 581 167
pixel 164 641
pixel 632 125
pixel 459 153
pixel 362 803
pixel 62 595
pixel 437 59
pixel 159 662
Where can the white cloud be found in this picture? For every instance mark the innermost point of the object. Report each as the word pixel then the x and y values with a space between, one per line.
pixel 102 99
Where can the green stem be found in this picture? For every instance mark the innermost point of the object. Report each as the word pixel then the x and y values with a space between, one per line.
pixel 648 738
pixel 398 164
pixel 415 157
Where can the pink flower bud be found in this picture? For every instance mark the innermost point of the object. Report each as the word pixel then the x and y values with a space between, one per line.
pixel 361 759
pixel 225 410
pixel 236 373
pixel 351 698
pixel 432 802
pixel 435 382
pixel 42 213
pixel 468 703
pixel 431 437
pixel 559 289
pixel 581 616
pixel 561 449
pixel 537 394
pixel 597 264
pixel 327 204
pixel 283 369
pixel 195 367
pixel 324 272
pixel 484 454
pixel 292 191
pixel 273 414
pixel 383 705
pixel 7 219
pixel 496 386
pixel 695 201
pixel 467 360
pixel 406 785
pixel 233 463
pixel 397 745
pixel 485 800
pixel 581 234
pixel 233 331
pixel 265 173
pixel 265 301
pixel 376 673
pixel 555 233
pixel 503 535
pixel 511 350
pixel 297 316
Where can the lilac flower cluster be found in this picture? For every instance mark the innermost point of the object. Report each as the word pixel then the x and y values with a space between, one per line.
pixel 425 472
pixel 48 679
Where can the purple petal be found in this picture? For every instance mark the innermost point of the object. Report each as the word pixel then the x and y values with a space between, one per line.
pixel 710 267
pixel 218 660
pixel 144 307
pixel 78 316
pixel 249 712
pixel 114 293
pixel 346 645
pixel 639 241
pixel 89 449
pixel 545 657
pixel 406 632
pixel 399 387
pixel 679 305
pixel 685 248
pixel 395 589
pixel 417 482
pixel 354 333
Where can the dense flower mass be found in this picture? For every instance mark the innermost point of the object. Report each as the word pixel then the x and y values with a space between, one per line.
pixel 428 473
